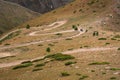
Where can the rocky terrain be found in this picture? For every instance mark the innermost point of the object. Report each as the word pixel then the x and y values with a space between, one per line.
pixel 78 41
pixel 41 6
pixel 12 15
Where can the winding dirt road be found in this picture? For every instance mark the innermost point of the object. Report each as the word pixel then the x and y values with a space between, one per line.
pixel 3 65
pixel 60 23
pixel 52 26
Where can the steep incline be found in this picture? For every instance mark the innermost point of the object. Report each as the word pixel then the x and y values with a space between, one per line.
pixel 12 15
pixel 104 11
pixel 41 6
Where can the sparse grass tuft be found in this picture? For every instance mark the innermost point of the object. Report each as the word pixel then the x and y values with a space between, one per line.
pixel 83 77
pixel 114 69
pixel 26 62
pixel 102 39
pixel 99 63
pixel 113 78
pixel 118 48
pixel 113 39
pixel 107 43
pixel 69 39
pixel 117 36
pixel 27 26
pixel 37 60
pixel 12 35
pixel 74 27
pixel 63 74
pixel 36 70
pixel 60 57
pixel 59 34
pixel 69 63
pixel 48 49
pixel 40 65
pixel 22 66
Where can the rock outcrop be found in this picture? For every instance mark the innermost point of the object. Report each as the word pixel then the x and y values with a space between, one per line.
pixel 41 6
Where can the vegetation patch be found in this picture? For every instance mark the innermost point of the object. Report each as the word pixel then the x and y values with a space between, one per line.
pixel 117 36
pixel 40 65
pixel 26 62
pixel 63 74
pixel 37 69
pixel 113 39
pixel 107 43
pixel 83 77
pixel 22 66
pixel 6 44
pixel 99 63
pixel 28 26
pixel 113 78
pixel 12 35
pixel 118 48
pixel 69 39
pixel 37 60
pixel 51 45
pixel 48 49
pixel 60 57
pixel 102 39
pixel 75 27
pixel 95 33
pixel 69 63
pixel 114 69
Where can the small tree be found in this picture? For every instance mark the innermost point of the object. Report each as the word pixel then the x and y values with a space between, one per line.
pixel 28 26
pixel 48 49
pixel 75 27
pixel 95 33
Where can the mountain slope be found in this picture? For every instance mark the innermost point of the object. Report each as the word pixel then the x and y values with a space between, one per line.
pixel 41 6
pixel 12 15
pixel 107 12
pixel 78 41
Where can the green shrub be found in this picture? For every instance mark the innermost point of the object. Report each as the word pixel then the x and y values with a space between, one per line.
pixel 63 74
pixel 37 69
pixel 37 60
pixel 99 63
pixel 102 39
pixel 69 39
pixel 7 44
pixel 11 35
pixel 60 34
pixel 26 62
pixel 113 78
pixel 91 3
pixel 69 63
pixel 118 48
pixel 28 26
pixel 22 66
pixel 40 65
pixel 95 33
pixel 117 36
pixel 107 43
pixel 113 39
pixel 74 27
pixel 114 69
pixel 83 77
pixel 92 70
pixel 78 74
pixel 50 44
pixel 70 49
pixel 60 57
pixel 48 49
pixel 103 73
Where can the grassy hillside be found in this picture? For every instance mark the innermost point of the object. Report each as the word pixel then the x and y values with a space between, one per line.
pixel 107 12
pixel 12 15
pixel 78 41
